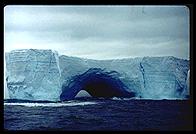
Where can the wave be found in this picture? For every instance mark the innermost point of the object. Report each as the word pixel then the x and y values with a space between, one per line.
pixel 27 101
pixel 51 104
pixel 132 98
pixel 138 98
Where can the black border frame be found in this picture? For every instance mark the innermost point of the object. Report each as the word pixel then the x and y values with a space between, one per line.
pixel 188 3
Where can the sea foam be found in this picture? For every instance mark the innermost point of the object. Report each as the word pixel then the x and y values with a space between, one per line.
pixel 51 104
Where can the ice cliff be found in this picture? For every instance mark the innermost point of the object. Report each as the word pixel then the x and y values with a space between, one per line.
pixel 33 74
pixel 44 75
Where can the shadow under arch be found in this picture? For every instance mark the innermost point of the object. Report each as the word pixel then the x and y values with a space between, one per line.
pixel 98 83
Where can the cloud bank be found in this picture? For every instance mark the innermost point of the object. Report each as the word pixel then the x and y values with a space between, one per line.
pixel 99 32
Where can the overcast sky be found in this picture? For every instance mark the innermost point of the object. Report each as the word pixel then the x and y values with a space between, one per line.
pixel 99 32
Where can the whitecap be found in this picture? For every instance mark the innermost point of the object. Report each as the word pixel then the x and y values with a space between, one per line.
pixel 132 98
pixel 51 104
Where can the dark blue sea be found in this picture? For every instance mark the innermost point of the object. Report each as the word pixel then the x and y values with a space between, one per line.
pixel 98 114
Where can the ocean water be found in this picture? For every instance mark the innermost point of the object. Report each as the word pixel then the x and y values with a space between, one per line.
pixel 99 114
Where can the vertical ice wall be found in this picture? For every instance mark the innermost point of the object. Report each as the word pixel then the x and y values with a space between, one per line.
pixel 33 74
pixel 6 95
pixel 39 74
pixel 159 79
pixel 186 92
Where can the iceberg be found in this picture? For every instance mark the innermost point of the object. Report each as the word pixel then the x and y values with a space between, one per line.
pixel 34 74
pixel 82 93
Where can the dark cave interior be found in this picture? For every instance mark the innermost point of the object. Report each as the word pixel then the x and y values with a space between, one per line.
pixel 98 83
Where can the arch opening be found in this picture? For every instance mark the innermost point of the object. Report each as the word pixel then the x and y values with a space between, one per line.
pixel 98 83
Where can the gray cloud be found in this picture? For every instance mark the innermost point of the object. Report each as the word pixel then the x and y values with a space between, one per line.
pixel 85 31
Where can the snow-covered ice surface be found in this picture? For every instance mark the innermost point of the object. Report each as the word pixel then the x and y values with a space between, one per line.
pixel 42 75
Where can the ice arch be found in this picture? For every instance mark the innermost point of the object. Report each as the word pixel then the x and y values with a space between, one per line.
pixel 98 83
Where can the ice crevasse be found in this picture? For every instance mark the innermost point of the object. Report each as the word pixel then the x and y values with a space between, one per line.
pixel 35 74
